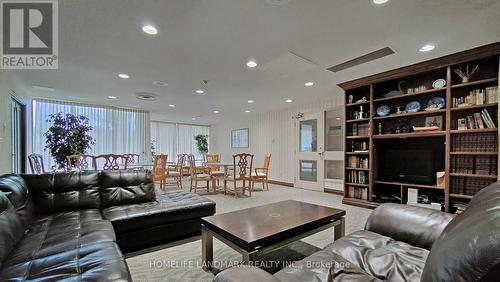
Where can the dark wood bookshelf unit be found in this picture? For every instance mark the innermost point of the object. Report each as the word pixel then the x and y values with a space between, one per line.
pixel 465 128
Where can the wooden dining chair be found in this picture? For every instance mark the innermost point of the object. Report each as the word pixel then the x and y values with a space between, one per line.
pixel 159 171
pixel 240 171
pixel 132 158
pixel 78 162
pixel 197 174
pixel 260 174
pixel 110 162
pixel 176 171
pixel 36 163
pixel 214 171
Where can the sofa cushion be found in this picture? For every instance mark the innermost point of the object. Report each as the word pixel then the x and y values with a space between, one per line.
pixel 17 191
pixel 60 192
pixel 11 227
pixel 323 266
pixel 126 187
pixel 381 256
pixel 169 207
pixel 57 233
pixel 94 262
pixel 469 247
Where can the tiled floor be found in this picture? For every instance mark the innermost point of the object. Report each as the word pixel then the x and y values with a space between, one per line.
pixel 181 261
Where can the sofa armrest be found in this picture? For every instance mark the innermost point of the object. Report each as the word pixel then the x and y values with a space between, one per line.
pixel 414 225
pixel 244 274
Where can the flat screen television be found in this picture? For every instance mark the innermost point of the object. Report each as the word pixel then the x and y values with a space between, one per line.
pixel 409 165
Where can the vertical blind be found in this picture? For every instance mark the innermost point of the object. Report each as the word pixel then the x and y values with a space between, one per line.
pixel 174 138
pixel 115 130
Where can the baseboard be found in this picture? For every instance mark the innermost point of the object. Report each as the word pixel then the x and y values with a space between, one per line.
pixel 333 191
pixel 280 183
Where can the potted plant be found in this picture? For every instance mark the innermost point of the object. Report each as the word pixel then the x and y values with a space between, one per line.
pixel 68 135
pixel 201 143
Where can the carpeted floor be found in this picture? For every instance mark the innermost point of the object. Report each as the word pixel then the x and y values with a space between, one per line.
pixel 181 261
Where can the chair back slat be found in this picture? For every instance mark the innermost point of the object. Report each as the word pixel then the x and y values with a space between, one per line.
pixel 36 163
pixel 78 162
pixel 267 160
pixel 110 162
pixel 242 165
pixel 159 167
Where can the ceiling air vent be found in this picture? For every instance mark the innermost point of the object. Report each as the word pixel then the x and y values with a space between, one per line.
pixel 386 51
pixel 145 96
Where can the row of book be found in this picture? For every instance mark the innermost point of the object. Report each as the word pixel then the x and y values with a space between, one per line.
pixel 481 165
pixel 468 186
pixel 476 121
pixel 357 146
pixel 480 142
pixel 358 177
pixel 357 162
pixel 357 192
pixel 488 95
pixel 358 129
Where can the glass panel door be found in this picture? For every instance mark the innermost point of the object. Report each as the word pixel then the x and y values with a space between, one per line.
pixel 309 164
pixel 334 150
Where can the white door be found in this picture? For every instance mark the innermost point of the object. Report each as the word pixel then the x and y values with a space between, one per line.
pixel 309 152
pixel 333 155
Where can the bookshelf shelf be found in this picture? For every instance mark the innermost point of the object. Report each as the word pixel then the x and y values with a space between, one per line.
pixel 408 185
pixel 488 80
pixel 410 135
pixel 469 131
pixel 474 175
pixel 357 184
pixel 413 95
pixel 357 168
pixel 358 120
pixel 358 104
pixel 461 196
pixel 472 107
pixel 474 153
pixel 357 137
pixel 357 153
pixel 422 113
pixel 458 146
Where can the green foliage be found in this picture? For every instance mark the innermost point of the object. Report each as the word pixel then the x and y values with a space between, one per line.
pixel 68 135
pixel 201 143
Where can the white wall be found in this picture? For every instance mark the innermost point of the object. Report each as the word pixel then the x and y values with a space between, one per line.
pixel 8 87
pixel 272 132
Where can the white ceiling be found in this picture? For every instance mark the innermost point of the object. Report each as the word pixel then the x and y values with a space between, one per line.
pixel 213 39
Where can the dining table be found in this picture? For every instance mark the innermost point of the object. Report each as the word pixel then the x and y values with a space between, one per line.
pixel 225 165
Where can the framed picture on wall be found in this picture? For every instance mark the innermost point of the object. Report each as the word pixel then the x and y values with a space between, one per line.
pixel 239 138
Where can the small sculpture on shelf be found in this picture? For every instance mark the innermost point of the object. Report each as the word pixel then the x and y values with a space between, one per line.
pixel 465 76
pixel 350 99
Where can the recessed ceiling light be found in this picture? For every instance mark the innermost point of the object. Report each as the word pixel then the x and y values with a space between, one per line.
pixel 251 64
pixel 193 118
pixel 251 101
pixel 44 88
pixel 171 106
pixel 112 97
pixel 199 91
pixel 247 111
pixel 310 83
pixel 427 48
pixel 288 100
pixel 378 2
pixel 149 29
pixel 216 112
pixel 123 75
pixel 160 83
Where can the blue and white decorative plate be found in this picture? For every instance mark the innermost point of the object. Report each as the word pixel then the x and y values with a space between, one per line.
pixel 383 110
pixel 413 107
pixel 436 102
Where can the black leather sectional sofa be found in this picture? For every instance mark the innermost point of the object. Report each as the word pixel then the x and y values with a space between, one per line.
pixel 404 243
pixel 74 226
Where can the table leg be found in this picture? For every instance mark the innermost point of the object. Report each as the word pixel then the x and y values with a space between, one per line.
pixel 207 249
pixel 214 184
pixel 249 258
pixel 339 230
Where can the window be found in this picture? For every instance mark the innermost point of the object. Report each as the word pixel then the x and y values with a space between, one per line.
pixel 174 138
pixel 115 130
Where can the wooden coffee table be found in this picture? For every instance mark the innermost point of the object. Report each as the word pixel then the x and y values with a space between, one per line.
pixel 264 228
